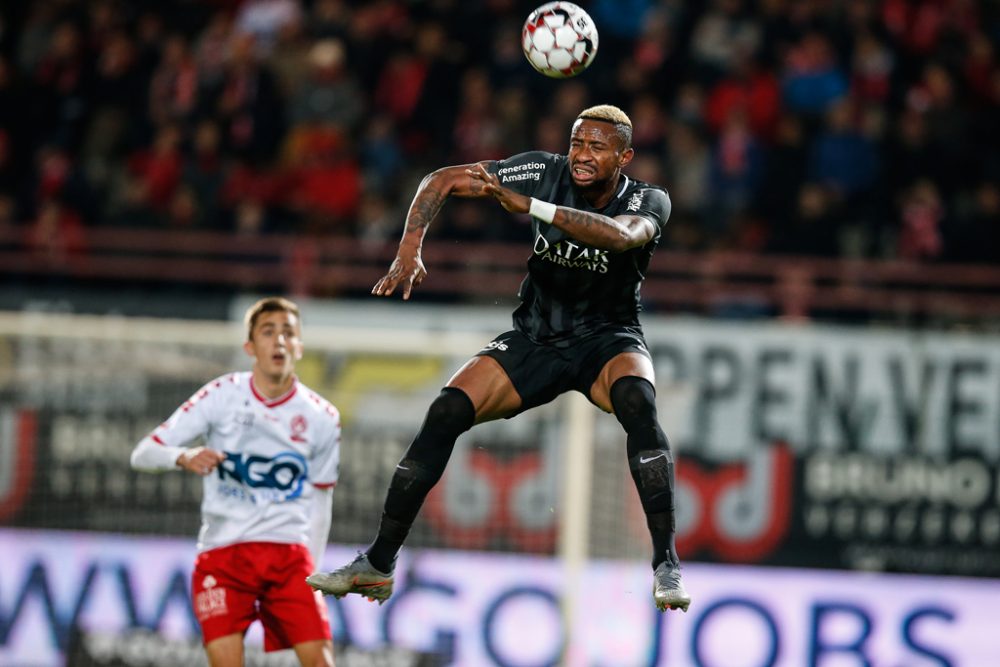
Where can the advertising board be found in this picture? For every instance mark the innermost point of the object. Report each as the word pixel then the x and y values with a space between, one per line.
pixel 483 609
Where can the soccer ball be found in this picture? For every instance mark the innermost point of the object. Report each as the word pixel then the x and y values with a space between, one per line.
pixel 559 39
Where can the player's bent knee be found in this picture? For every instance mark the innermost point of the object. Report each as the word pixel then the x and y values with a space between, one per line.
pixel 449 415
pixel 451 411
pixel 634 401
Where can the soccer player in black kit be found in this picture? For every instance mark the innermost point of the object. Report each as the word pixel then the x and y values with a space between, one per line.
pixel 577 328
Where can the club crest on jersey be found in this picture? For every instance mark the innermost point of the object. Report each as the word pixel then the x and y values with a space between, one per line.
pixel 299 426
pixel 634 202
pixel 571 254
pixel 262 479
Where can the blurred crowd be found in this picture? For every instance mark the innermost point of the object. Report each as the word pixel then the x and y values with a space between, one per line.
pixel 856 128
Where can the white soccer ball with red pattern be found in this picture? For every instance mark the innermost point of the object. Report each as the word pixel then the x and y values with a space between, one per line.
pixel 559 39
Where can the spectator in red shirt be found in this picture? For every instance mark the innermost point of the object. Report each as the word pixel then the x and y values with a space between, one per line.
pixel 326 183
pixel 158 168
pixel 749 89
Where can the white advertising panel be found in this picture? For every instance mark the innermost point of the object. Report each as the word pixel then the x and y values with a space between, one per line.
pixel 487 609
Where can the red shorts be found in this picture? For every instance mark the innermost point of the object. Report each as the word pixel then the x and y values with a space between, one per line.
pixel 233 586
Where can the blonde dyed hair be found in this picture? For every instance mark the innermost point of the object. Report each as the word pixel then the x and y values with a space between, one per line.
pixel 270 304
pixel 611 114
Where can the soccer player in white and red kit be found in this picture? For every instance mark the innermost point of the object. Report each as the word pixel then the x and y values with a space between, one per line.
pixel 269 462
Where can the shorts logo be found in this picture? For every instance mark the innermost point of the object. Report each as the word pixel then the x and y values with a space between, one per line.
pixel 497 345
pixel 211 601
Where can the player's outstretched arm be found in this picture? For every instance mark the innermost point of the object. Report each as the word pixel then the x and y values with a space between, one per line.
pixel 616 234
pixel 407 269
pixel 151 456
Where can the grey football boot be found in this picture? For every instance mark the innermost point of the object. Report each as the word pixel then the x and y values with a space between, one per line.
pixel 668 590
pixel 358 576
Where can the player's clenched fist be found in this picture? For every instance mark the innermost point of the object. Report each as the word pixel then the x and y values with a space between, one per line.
pixel 510 200
pixel 200 460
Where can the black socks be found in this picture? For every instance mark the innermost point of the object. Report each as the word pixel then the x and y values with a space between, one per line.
pixel 450 415
pixel 650 462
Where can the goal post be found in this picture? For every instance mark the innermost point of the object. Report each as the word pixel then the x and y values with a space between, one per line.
pixel 574 534
pixel 97 383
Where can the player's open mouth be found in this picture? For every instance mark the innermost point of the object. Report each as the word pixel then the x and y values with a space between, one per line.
pixel 582 173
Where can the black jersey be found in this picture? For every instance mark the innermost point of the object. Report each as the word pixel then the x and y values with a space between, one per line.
pixel 572 288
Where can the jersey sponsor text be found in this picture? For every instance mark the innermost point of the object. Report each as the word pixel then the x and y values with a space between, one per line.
pixel 572 255
pixel 529 171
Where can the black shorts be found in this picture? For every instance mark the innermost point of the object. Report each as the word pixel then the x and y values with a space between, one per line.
pixel 541 372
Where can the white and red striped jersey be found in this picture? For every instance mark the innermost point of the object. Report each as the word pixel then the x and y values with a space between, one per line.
pixel 278 451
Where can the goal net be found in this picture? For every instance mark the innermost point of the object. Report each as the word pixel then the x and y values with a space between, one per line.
pixel 79 391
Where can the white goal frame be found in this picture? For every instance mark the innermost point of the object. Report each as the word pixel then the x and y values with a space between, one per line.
pixel 574 520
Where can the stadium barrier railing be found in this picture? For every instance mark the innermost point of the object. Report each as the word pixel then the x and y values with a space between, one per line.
pixel 709 283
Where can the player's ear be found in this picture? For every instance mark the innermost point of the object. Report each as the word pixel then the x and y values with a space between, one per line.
pixel 626 157
pixel 297 350
pixel 248 348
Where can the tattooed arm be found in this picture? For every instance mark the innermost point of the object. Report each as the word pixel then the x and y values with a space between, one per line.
pixel 408 268
pixel 616 234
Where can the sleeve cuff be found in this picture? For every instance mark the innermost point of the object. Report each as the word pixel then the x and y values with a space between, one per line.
pixel 149 455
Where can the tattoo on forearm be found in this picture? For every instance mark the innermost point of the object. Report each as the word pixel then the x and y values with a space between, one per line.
pixel 425 207
pixel 596 229
pixel 582 218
